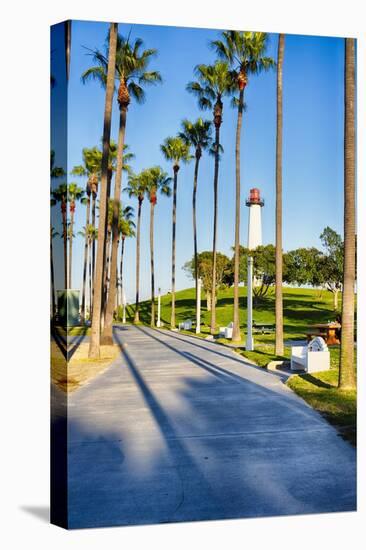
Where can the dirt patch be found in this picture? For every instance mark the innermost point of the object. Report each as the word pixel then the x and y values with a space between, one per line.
pixel 80 369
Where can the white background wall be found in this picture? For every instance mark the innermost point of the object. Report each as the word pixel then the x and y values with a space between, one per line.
pixel 24 220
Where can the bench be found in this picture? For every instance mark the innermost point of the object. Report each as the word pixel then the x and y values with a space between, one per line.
pixel 263 327
pixel 185 325
pixel 226 332
pixel 314 357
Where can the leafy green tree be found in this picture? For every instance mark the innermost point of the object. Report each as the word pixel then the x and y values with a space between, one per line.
pixel 213 83
pixel 204 266
pixel 245 53
pixel 303 267
pixel 331 265
pixel 264 268
pixel 175 150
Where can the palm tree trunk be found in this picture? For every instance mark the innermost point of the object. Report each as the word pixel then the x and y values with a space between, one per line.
pixel 106 281
pixel 152 210
pixel 137 317
pixel 174 221
pixel 94 347
pixel 53 293
pixel 64 234
pixel 216 180
pixel 347 379
pixel 107 337
pixel 118 282
pixel 279 300
pixel 72 207
pixel 87 221
pixel 236 328
pixel 92 259
pixel 121 266
pixel 195 234
pixel 90 279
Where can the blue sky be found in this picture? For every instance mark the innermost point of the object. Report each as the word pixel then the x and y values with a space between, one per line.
pixel 312 143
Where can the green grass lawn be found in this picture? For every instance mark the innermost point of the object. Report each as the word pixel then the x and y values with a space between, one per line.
pixel 320 391
pixel 301 308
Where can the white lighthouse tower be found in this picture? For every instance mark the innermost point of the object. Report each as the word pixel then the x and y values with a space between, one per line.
pixel 255 204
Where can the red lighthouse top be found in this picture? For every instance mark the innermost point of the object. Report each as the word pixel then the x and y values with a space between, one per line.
pixel 254 197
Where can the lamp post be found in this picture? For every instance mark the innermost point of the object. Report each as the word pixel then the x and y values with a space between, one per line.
pixel 198 307
pixel 158 324
pixel 249 346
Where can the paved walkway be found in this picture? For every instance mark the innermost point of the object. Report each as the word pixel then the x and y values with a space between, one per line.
pixel 182 429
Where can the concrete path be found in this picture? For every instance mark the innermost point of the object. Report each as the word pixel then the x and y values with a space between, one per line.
pixel 180 429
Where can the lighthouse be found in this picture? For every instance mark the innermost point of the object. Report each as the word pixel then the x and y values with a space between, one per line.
pixel 255 204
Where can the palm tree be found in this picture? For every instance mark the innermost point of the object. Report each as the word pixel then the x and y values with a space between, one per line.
pixel 198 135
pixel 93 236
pixel 87 234
pixel 132 75
pixel 214 82
pixel 347 379
pixel 244 51
pixel 53 292
pixel 108 258
pixel 136 187
pixel 94 347
pixel 127 229
pixel 56 171
pixel 279 261
pixel 74 194
pixel 59 195
pixel 90 169
pixel 157 181
pixel 176 150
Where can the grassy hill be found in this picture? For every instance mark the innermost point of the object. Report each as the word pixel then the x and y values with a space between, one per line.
pixel 301 307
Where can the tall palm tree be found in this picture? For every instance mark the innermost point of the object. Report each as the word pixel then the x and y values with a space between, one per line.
pixel 244 51
pixel 94 347
pixel 214 82
pixel 347 379
pixel 93 236
pixel 55 172
pixel 53 292
pixel 157 182
pixel 175 150
pixel 131 73
pixel 59 195
pixel 90 168
pixel 198 135
pixel 137 184
pixel 127 229
pixel 74 194
pixel 87 234
pixel 279 261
